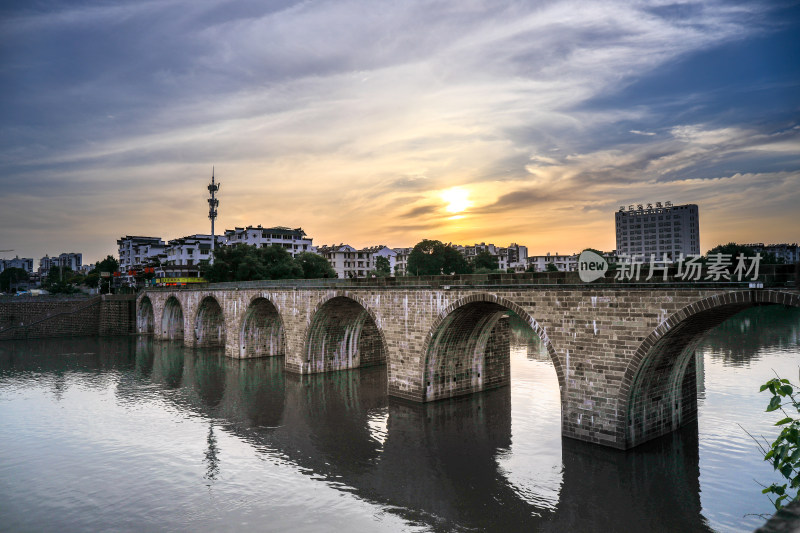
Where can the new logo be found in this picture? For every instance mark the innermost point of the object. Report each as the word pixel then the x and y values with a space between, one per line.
pixel 591 266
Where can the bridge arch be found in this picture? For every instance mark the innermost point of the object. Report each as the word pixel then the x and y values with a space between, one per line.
pixel 172 319
pixel 658 393
pixel 262 332
pixel 343 333
pixel 145 316
pixel 467 348
pixel 209 323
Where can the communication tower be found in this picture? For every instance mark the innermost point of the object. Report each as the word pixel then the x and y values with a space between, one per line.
pixel 213 203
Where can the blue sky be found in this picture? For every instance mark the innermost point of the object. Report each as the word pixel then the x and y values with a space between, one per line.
pixel 373 122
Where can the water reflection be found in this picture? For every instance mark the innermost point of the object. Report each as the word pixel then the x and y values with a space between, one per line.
pixel 652 488
pixel 168 364
pixel 491 462
pixel 743 337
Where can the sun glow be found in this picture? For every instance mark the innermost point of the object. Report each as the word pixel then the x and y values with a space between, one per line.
pixel 457 199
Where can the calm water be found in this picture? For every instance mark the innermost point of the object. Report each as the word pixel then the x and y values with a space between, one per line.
pixel 126 434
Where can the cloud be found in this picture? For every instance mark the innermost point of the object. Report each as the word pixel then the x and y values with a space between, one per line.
pixel 324 114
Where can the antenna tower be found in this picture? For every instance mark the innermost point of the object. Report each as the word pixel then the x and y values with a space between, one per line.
pixel 213 203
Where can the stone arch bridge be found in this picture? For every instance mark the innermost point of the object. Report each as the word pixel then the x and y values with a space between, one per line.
pixel 623 355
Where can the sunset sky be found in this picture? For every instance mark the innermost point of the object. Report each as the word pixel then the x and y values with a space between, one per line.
pixel 370 122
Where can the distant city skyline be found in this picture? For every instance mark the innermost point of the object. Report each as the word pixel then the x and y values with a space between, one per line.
pixel 380 123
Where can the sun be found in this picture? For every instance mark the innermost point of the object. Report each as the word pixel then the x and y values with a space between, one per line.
pixel 457 199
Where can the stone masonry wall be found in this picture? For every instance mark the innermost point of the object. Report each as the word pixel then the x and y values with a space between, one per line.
pixel 106 315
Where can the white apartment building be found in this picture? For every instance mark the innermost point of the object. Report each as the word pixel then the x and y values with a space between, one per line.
pixel 137 251
pixel 661 229
pixel 190 250
pixel 347 261
pixel 790 253
pixel 382 251
pixel 401 261
pixel 563 263
pixel 516 256
pixel 470 251
pixel 294 241
pixel 70 260
pixel 25 263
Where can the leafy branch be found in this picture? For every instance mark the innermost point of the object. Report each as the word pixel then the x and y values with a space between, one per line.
pixel 784 452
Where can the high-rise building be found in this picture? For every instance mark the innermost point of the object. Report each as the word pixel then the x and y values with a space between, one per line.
pixel 71 260
pixel 657 230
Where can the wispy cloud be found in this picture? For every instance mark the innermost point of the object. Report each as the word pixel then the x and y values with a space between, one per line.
pixel 324 114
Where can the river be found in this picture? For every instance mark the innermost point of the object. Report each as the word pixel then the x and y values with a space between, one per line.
pixel 131 434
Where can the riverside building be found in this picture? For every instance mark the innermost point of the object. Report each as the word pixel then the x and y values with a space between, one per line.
pixel 190 250
pixel 71 260
pixel 25 263
pixel 137 251
pixel 659 230
pixel 294 241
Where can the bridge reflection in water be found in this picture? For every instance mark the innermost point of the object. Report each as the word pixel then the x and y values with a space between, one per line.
pixel 438 464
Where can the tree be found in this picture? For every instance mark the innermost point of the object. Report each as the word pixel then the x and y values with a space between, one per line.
pixel 432 258
pixel 314 266
pixel 454 262
pixel 58 281
pixel 383 268
pixel 279 263
pixel 734 250
pixel 784 452
pixel 485 260
pixel 10 277
pixel 551 267
pixel 92 279
pixel 110 265
pixel 595 250
pixel 244 262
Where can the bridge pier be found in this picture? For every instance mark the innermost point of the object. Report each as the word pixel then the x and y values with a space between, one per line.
pixel 623 356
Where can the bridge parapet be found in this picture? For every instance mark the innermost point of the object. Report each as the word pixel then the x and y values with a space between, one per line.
pixel 771 276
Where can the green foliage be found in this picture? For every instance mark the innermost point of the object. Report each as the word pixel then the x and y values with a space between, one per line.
pixel 58 280
pixel 12 276
pixel 92 279
pixel 382 267
pixel 245 263
pixel 432 258
pixel 314 266
pixel 784 453
pixel 595 250
pixel 109 264
pixel 531 268
pixel 734 250
pixel 485 260
pixel 551 267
